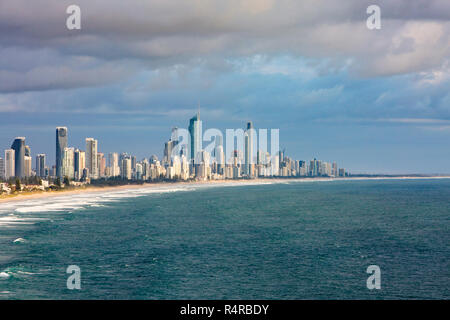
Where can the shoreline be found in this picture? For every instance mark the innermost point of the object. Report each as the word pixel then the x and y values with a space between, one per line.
pixel 99 189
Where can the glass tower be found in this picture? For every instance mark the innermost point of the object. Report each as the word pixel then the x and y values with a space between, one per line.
pixel 19 153
pixel 195 131
pixel 61 144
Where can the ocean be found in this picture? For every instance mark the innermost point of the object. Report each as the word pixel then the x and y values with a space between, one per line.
pixel 291 240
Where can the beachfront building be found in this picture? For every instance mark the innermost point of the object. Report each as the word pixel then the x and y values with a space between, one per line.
pixel 40 165
pixel 2 168
pixel 61 144
pixel 196 135
pixel 113 164
pixel 18 146
pixel 79 163
pixel 67 169
pixel 91 157
pixel 101 162
pixel 27 171
pixel 126 168
pixel 9 163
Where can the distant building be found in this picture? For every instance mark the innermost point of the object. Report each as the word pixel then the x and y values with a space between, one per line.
pixel 133 162
pixel 27 151
pixel 2 168
pixel 68 166
pixel 126 168
pixel 248 149
pixel 195 132
pixel 27 162
pixel 113 163
pixel 139 171
pixel 61 144
pixel 18 146
pixel 40 165
pixel 79 163
pixel 53 172
pixel 101 162
pixel 335 169
pixel 91 157
pixel 153 159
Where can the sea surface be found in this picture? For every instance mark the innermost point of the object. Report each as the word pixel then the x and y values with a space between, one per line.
pixel 292 240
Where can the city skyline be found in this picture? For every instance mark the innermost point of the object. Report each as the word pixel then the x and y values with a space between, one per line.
pixel 376 100
pixel 52 157
pixel 245 155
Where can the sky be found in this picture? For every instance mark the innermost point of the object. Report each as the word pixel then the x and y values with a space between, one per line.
pixel 375 101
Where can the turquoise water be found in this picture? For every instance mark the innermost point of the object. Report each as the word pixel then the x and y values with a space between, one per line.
pixel 297 240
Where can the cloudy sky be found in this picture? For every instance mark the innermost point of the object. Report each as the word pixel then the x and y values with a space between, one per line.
pixel 373 100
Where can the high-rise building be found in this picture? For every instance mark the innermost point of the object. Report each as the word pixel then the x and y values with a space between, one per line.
pixel 153 159
pixel 126 168
pixel 113 163
pixel 40 165
pixel 91 157
pixel 61 144
pixel 174 139
pixel 220 159
pixel 67 169
pixel 195 132
pixel 53 171
pixel 2 168
pixel 248 146
pixel 10 163
pixel 133 162
pixel 168 149
pixel 27 160
pixel 18 146
pixel 79 162
pixel 101 162
pixel 335 169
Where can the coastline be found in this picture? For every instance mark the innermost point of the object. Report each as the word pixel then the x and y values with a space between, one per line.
pixel 98 189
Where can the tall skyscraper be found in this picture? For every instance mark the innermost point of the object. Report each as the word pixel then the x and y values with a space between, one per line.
pixel 170 147
pixel 10 163
pixel 335 169
pixel 126 168
pixel 27 162
pixel 101 163
pixel 248 143
pixel 79 162
pixel 67 169
pixel 113 164
pixel 40 165
pixel 91 157
pixel 19 155
pixel 61 144
pixel 195 131
pixel 133 162
pixel 219 154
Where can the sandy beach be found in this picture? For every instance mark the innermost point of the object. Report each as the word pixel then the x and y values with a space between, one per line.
pixel 94 189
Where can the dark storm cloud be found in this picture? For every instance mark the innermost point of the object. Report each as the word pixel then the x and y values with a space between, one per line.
pixel 157 34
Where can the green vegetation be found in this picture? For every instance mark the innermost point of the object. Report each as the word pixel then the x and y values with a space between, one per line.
pixel 18 186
